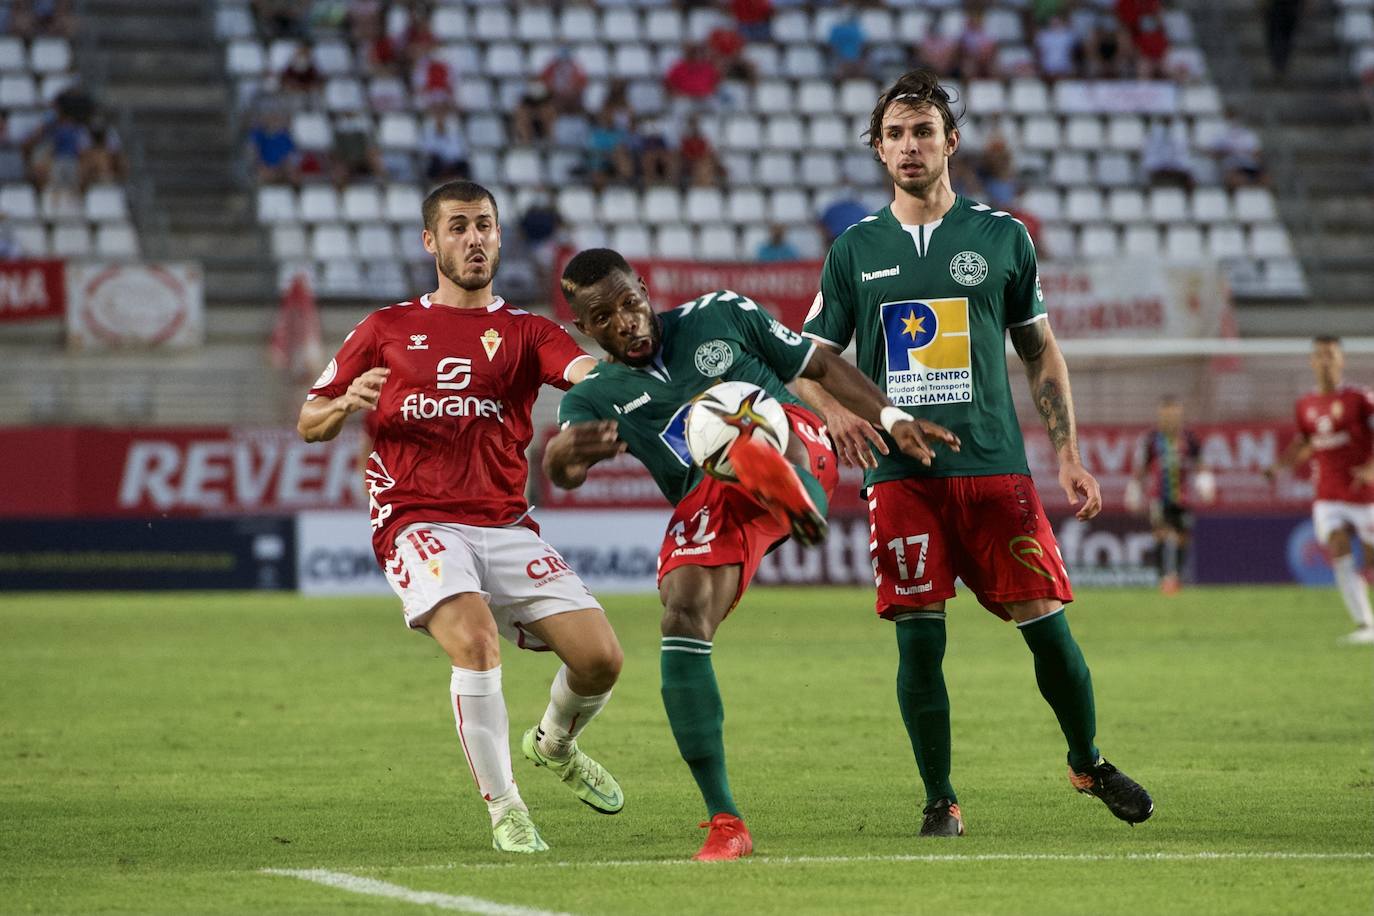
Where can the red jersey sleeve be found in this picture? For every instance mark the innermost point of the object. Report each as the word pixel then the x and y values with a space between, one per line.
pixel 1299 417
pixel 557 352
pixel 357 354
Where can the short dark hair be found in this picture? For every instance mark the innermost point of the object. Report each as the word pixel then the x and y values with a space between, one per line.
pixel 915 88
pixel 1327 339
pixel 589 267
pixel 455 190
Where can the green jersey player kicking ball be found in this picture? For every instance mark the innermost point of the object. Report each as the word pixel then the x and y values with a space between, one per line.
pixel 637 399
pixel 928 288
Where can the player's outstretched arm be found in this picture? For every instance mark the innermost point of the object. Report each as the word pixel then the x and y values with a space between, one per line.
pixel 856 392
pixel 1297 452
pixel 1049 384
pixel 854 437
pixel 322 418
pixel 576 448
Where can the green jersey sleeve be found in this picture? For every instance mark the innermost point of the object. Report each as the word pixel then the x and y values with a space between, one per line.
pixel 1024 301
pixel 831 319
pixel 784 350
pixel 577 407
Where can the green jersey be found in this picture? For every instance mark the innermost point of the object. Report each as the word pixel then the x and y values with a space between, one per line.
pixel 718 337
pixel 930 306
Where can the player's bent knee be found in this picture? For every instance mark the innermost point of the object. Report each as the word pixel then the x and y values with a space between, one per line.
pixel 686 618
pixel 464 627
pixel 1026 611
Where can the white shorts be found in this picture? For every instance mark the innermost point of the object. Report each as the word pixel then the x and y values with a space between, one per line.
pixel 1329 515
pixel 517 574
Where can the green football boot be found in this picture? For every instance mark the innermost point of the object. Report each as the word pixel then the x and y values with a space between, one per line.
pixel 588 779
pixel 515 832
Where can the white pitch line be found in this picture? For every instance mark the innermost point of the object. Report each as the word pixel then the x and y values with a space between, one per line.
pixel 374 888
pixel 927 857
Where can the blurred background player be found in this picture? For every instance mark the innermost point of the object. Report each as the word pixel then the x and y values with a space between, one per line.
pixel 1334 432
pixel 1168 461
pixel 450 378
pixel 637 401
pixel 931 284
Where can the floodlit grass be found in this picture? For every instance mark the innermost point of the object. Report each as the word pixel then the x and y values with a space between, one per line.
pixel 158 751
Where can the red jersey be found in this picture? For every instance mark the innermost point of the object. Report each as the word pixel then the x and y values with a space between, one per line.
pixel 453 421
pixel 1336 425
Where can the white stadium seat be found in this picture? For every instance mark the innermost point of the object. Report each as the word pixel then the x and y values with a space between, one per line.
pixel 12 55
pixel 704 205
pixel 632 62
pixel 784 132
pixel 535 23
pixel 800 62
pixel 105 203
pixel 1126 133
pixel 342 276
pixel 376 241
pixel 116 241
pixel 330 242
pixel 1270 240
pixel 1028 97
pixel 1255 205
pixel 576 203
pixel 398 131
pixel 450 23
pixel 362 203
pixel 50 55
pixel 819 168
pixel 577 24
pixel 19 201
pixel 1043 203
pixel 1141 240
pixel 1114 170
pixel 71 240
pixel 334 58
pixel 776 170
pixel 857 97
pixel 662 206
pixel 789 206
pixel 1098 242
pixel 319 204
pixel 743 132
pixel 772 96
pixel 1041 133
pixel 311 130
pixel 32 239
pixel 987 97
pixel 663 26
pixel 913 25
pixel 1069 168
pixel 745 205
pixel 828 133
pixel 18 90
pixel 1183 243
pixel 791 27
pixel 289 242
pixel 1126 205
pixel 344 94
pixel 617 205
pixel 1168 205
pixel 401 204
pixel 632 241
pixel 766 59
pixel 718 242
pixel 492 23
pixel 814 98
pixel 674 243
pixel 1225 242
pixel 245 58
pixel 620 26
pixel 504 61
pixel 1084 132
pixel 1210 205
pixel 1084 205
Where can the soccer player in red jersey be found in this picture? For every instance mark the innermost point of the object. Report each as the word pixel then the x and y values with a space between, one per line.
pixel 450 378
pixel 1334 430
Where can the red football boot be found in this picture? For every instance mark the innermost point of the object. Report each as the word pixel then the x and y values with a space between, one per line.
pixel 728 839
pixel 768 477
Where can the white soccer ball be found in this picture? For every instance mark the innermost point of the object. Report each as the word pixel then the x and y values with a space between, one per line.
pixel 724 412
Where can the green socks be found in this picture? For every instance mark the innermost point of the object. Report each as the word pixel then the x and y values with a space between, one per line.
pixel 924 701
pixel 692 701
pixel 813 489
pixel 1065 684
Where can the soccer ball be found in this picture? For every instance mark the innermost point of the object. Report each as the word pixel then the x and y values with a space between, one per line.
pixel 723 413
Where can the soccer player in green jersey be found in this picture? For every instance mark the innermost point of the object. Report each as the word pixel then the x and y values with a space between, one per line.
pixel 637 399
pixel 929 286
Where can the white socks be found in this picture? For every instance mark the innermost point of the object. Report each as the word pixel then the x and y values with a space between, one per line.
pixel 1353 591
pixel 567 715
pixel 479 711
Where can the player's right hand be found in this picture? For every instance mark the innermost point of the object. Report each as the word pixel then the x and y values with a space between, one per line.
pixel 914 437
pixel 854 438
pixel 588 443
pixel 363 392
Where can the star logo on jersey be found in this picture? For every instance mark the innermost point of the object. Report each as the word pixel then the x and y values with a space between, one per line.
pixel 968 268
pixel 417 342
pixel 913 326
pixel 929 359
pixel 491 342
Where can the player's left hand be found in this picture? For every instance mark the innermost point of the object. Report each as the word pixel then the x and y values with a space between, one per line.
pixel 1075 480
pixel 1363 474
pixel 915 435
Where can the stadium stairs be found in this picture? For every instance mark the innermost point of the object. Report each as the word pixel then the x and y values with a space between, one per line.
pixel 158 60
pixel 1319 147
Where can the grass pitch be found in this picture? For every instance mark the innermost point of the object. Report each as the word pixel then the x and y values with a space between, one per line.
pixel 157 752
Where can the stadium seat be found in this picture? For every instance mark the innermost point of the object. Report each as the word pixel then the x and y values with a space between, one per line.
pixel 828 133
pixel 913 25
pixel 1126 133
pixel 1225 242
pixel 1200 100
pixel 578 24
pixel 31 239
pixel 1003 24
pixel 277 204
pixel 814 98
pixel 745 205
pixel 784 132
pixel 410 243
pixel 617 205
pixel 662 206
pixel 803 62
pixel 987 97
pixel 330 241
pixel 245 58
pixel 789 206
pixel 1057 240
pixel 1210 205
pixel 54 84
pixel 674 243
pixel 663 26
pixel 631 62
pixel 1084 205
pixel 362 203
pixel 1098 242
pixel 116 241
pixel 1040 133
pixel 739 166
pixel 1028 97
pixel 766 59
pixel 105 203
pixel 376 241
pixel 71 240
pixel 342 277
pixel 12 56
pixel 1140 240
pixel 701 22
pixel 857 97
pixel 18 90
pixel 319 204
pixel 742 132
pixel 1183 244
pixel 632 241
pixel 311 130
pixel 791 27
pixel 773 96
pixel 465 57
pixel 704 205
pixel 19 201
pixel 58 204
pixel 289 242
pixel 1084 132
pixel 233 22
pixel 718 242
pixel 398 131
pixel 1016 60
pixel 401 204
pixel 1043 203
pixel 594 60
pixel 1168 205
pixel 450 23
pixel 1069 168
pixel 1114 170
pixel 1270 240
pixel 775 170
pixel 342 94
pixel 1284 276
pixel 535 23
pixel 1178 27
pixel 50 55
pixel 504 61
pixel 751 237
pixel 620 27
pixel 492 22
pixel 1126 205
pixel 334 58
pixel 1356 27
pixel 819 168
pixel 485 131
pixel 1255 205
pixel 522 166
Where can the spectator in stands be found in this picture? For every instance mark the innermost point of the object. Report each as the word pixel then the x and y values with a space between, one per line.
pixel 996 169
pixel 701 167
pixel 544 231
pixel 274 150
pixel 1056 49
pixel 977 48
pixel 1032 223
pixel 533 117
pixel 726 49
pixel 279 18
pixel 32 18
pixel 354 153
pixel 693 79
pixel 963 176
pixel 617 104
pixel 300 80
pixel 607 155
pixel 10 249
pixel 754 18
pixel 387 93
pixel 846 42
pixel 105 160
pixel 1165 158
pixel 444 147
pixel 1281 20
pixel 840 214
pixel 776 247
pixel 12 165
pixel 1237 151
pixel 659 162
pixel 938 51
pixel 566 81
pixel 431 78
pixel 1099 41
pixel 55 152
pixel 1143 21
pixel 364 21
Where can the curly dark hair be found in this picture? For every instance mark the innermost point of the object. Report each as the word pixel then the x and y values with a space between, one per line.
pixel 590 267
pixel 915 88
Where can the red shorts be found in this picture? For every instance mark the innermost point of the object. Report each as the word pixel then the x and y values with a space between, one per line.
pixel 719 524
pixel 989 531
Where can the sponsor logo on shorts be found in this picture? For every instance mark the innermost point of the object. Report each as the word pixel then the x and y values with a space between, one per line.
pixel 546 569
pixel 690 551
pixel 1027 551
pixel 915 589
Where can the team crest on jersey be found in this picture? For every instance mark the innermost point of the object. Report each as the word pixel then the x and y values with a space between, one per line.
pixel 491 342
pixel 968 268
pixel 816 305
pixel 328 374
pixel 714 357
pixel 417 342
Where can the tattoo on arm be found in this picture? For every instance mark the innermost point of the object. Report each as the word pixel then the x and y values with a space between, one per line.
pixel 1029 341
pixel 1054 410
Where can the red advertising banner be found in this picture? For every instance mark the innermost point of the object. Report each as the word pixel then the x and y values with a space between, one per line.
pixel 30 290
pixel 57 472
pixel 1237 453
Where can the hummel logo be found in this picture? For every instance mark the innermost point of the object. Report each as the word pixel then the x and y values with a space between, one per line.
pixel 417 342
pixel 879 274
pixel 633 405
